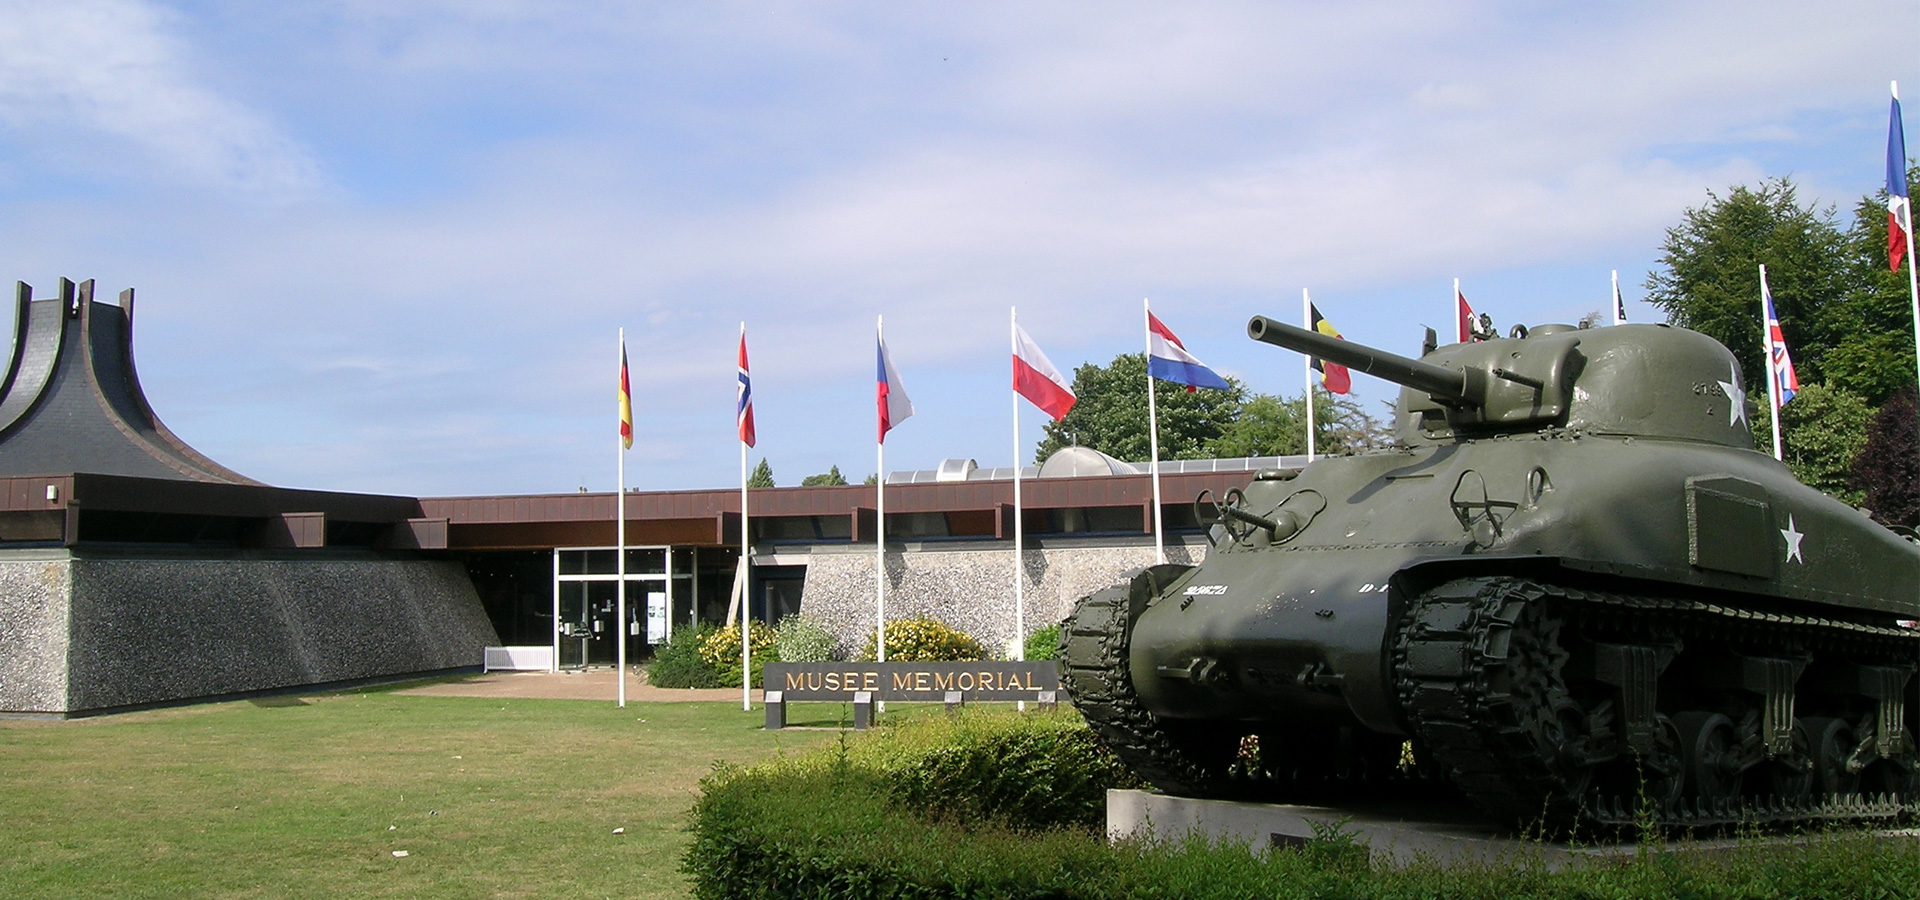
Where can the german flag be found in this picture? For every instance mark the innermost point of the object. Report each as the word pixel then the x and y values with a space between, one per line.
pixel 626 403
pixel 1333 375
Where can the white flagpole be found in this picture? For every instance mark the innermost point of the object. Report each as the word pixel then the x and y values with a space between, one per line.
pixel 1153 441
pixel 620 553
pixel 1453 305
pixel 1913 279
pixel 1617 318
pixel 746 565
pixel 880 527
pixel 1019 527
pixel 1306 318
pixel 1766 351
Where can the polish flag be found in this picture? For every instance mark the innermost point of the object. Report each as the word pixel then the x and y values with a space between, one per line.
pixel 1035 378
pixel 891 395
pixel 1899 204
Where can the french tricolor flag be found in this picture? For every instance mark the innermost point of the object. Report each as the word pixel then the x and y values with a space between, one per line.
pixel 891 395
pixel 1899 204
pixel 1168 360
pixel 1035 378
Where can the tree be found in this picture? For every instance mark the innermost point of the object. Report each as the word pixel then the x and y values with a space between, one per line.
pixel 830 478
pixel 1887 470
pixel 1111 414
pixel 1869 331
pixel 872 480
pixel 1271 426
pixel 762 476
pixel 1823 429
pixel 1708 277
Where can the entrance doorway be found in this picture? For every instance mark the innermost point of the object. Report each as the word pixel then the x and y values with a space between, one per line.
pixel 587 626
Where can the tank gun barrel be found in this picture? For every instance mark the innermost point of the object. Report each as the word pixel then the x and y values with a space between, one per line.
pixel 1440 382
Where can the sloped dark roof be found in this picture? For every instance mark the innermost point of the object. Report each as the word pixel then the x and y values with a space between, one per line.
pixel 71 400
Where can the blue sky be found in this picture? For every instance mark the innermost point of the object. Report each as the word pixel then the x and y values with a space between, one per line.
pixel 386 246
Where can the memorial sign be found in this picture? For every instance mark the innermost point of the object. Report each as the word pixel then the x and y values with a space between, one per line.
pixel 924 682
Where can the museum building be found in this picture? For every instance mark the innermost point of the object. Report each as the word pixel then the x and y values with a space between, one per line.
pixel 134 571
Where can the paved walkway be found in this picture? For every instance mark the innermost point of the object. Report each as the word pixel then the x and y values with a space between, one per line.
pixel 592 684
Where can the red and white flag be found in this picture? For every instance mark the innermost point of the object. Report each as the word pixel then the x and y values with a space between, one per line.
pixel 1035 378
pixel 1463 314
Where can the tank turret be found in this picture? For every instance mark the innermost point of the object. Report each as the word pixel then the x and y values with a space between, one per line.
pixel 1574 590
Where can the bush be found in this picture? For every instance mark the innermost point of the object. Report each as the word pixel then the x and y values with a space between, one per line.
pixel 721 652
pixel 852 822
pixel 800 639
pixel 926 640
pixel 1044 643
pixel 1030 773
pixel 678 664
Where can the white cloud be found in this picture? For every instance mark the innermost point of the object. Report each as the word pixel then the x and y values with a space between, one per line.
pixel 79 70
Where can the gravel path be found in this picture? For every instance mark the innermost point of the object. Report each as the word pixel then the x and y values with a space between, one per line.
pixel 592 684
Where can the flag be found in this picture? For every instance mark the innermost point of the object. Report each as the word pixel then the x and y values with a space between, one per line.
pixel 626 402
pixel 1168 360
pixel 1899 204
pixel 1783 377
pixel 1619 305
pixel 1035 378
pixel 892 396
pixel 743 407
pixel 1462 314
pixel 1333 375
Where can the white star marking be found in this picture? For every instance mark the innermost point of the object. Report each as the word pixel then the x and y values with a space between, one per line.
pixel 1793 537
pixel 1736 398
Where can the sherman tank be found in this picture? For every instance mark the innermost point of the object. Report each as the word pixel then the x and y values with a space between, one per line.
pixel 1573 589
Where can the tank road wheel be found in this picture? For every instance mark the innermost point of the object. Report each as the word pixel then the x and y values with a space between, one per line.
pixel 1710 752
pixel 1478 666
pixel 1831 742
pixel 1192 759
pixel 1789 776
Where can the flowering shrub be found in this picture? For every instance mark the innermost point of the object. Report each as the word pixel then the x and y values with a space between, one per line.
pixel 926 640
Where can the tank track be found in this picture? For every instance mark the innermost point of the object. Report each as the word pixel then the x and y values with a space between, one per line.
pixel 1201 759
pixel 1480 668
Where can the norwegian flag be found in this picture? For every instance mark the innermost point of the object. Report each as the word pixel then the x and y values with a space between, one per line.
pixel 1462 314
pixel 743 407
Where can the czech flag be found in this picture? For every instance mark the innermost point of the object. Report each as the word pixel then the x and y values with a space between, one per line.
pixel 894 405
pixel 1333 375
pixel 1899 204
pixel 1035 378
pixel 1463 314
pixel 743 407
pixel 1784 379
pixel 1168 360
pixel 626 403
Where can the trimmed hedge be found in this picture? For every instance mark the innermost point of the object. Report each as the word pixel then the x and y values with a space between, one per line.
pixel 842 823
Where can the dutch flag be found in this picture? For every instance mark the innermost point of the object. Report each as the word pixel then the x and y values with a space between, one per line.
pixel 1168 359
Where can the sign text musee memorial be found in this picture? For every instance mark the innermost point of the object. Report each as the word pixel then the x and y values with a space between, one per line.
pixel 927 682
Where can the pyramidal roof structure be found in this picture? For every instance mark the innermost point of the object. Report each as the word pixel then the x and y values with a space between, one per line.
pixel 71 400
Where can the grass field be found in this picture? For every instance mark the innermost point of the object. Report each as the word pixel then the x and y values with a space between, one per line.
pixel 309 797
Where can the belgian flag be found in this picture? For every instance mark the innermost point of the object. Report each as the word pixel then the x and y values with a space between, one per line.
pixel 1333 375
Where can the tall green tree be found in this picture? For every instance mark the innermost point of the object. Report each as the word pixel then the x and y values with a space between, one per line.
pixel 828 478
pixel 1272 426
pixel 762 476
pixel 1868 332
pixel 1111 414
pixel 1708 277
pixel 1823 429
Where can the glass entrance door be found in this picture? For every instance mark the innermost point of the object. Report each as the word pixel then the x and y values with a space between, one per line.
pixel 586 604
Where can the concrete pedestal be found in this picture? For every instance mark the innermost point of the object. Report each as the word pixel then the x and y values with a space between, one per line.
pixel 1393 833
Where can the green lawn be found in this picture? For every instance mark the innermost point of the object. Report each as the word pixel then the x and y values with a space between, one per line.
pixel 310 797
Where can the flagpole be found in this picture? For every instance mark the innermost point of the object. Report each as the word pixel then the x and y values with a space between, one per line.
pixel 880 527
pixel 620 554
pixel 1913 278
pixel 1306 316
pixel 1766 352
pixel 1019 527
pixel 1618 313
pixel 1153 439
pixel 746 567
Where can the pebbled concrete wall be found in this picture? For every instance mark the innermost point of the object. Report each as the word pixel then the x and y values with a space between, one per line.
pixel 970 589
pixel 142 631
pixel 34 593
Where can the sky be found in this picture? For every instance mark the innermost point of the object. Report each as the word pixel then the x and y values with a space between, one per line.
pixel 389 246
